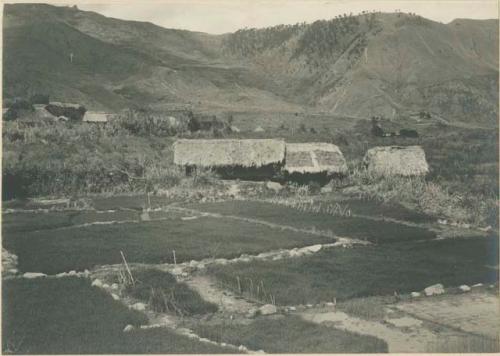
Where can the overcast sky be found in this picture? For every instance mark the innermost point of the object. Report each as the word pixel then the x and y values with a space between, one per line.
pixel 220 16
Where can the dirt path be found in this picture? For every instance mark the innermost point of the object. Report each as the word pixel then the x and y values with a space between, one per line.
pixel 227 301
pixel 473 312
pixel 404 340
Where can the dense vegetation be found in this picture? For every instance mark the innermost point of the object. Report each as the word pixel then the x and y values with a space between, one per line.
pixel 365 271
pixel 68 316
pixel 291 335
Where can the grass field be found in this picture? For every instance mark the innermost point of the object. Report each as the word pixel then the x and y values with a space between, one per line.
pixel 68 316
pixel 368 270
pixel 379 231
pixel 291 335
pixel 147 242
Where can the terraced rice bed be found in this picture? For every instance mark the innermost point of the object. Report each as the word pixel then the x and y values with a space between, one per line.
pixel 354 227
pixel 31 221
pixel 290 334
pixel 79 248
pixel 364 271
pixel 68 316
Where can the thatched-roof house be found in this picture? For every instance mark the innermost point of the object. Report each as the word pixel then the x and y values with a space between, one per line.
pixel 317 160
pixel 396 160
pixel 99 117
pixel 231 158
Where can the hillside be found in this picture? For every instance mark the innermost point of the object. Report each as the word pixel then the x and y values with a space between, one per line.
pixel 355 66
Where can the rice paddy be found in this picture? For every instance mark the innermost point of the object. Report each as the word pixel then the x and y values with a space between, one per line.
pixel 340 274
pixel 354 227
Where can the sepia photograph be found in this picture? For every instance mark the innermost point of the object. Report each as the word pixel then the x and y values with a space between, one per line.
pixel 231 177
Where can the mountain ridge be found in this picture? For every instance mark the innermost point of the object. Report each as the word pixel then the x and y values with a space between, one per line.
pixel 358 66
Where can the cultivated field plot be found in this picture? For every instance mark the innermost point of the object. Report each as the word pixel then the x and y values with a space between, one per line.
pixel 290 334
pixel 79 248
pixel 68 316
pixel 353 227
pixel 366 270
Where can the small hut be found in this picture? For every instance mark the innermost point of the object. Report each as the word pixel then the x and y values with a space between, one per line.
pixel 316 161
pixel 96 117
pixel 396 160
pixel 246 159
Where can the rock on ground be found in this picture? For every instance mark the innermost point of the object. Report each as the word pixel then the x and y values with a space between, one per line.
pixel 464 288
pixel 268 309
pixel 435 289
pixel 31 275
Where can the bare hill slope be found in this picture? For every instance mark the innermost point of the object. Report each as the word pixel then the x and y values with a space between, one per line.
pixel 358 66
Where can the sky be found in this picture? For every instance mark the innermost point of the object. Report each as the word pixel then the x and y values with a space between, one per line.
pixel 221 16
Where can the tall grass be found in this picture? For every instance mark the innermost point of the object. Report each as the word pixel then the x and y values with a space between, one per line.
pixel 424 195
pixel 165 295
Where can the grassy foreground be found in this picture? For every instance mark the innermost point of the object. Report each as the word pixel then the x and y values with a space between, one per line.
pixel 148 242
pixel 366 271
pixel 291 335
pixel 376 231
pixel 68 316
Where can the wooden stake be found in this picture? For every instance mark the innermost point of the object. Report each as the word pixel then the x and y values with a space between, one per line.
pixel 128 269
pixel 175 260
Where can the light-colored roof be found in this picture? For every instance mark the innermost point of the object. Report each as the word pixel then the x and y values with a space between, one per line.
pixel 95 116
pixel 258 129
pixel 314 157
pixel 219 153
pixel 396 160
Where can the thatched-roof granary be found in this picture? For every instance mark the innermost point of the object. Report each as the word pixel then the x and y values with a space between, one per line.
pixel 232 158
pixel 396 160
pixel 315 160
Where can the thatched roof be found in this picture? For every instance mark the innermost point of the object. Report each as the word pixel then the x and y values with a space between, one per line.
pixel 315 157
pixel 219 153
pixel 397 160
pixel 96 116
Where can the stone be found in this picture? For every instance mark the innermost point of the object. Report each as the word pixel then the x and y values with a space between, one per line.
pixel 268 309
pixel 415 294
pixel 314 248
pixel 274 186
pixel 327 189
pixel 309 305
pixel 128 328
pixel 115 286
pixel 252 313
pixel 139 306
pixel 292 308
pixel 193 264
pixel 464 288
pixel 105 286
pixel 435 289
pixel 330 304
pixel 31 275
pixel 477 285
pixel 177 271
pixel 242 348
pixel 115 297
pixel 97 283
pixel 72 273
